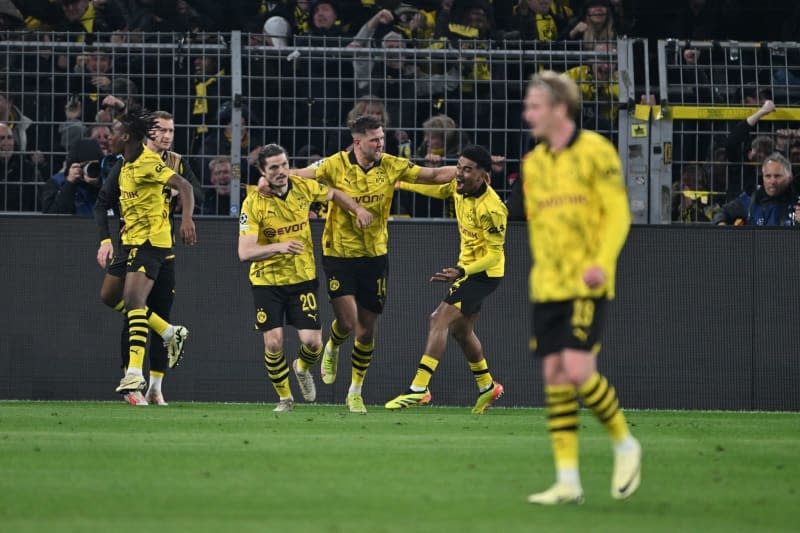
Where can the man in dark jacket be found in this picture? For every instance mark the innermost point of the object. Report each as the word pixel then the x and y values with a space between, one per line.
pixel 774 203
pixel 73 191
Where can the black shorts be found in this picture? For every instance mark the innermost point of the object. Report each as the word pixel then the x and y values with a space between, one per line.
pixel 296 303
pixel 576 324
pixel 148 259
pixel 468 293
pixel 363 277
pixel 118 265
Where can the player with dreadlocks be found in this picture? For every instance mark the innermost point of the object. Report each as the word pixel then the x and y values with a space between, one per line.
pixel 147 237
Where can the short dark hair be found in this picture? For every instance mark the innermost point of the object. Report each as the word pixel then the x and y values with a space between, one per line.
pixel 480 155
pixel 165 115
pixel 364 123
pixel 270 150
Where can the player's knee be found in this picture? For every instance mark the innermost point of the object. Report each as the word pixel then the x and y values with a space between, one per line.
pixel 313 345
pixel 273 345
pixel 108 297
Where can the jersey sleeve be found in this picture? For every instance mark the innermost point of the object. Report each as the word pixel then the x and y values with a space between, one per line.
pixel 325 169
pixel 157 172
pixel 614 200
pixel 493 222
pixel 407 171
pixel 317 192
pixel 434 191
pixel 248 223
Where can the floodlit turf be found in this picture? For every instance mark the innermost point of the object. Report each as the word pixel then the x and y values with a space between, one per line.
pixel 239 467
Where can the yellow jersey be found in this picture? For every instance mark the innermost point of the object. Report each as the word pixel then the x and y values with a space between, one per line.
pixel 144 202
pixel 373 189
pixel 482 219
pixel 281 219
pixel 578 216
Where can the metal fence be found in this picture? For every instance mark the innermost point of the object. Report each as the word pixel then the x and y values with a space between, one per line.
pixel 231 93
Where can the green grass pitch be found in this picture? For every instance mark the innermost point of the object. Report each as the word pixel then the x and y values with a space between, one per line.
pixel 99 466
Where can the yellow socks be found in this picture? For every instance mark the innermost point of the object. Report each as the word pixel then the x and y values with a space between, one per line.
pixel 427 366
pixel 601 397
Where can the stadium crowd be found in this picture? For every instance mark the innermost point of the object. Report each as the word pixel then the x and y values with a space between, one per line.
pixel 53 98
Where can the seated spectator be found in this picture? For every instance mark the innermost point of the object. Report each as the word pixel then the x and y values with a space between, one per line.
pixel 772 204
pixel 18 175
pixel 691 199
pixel 83 18
pixel 307 155
pixel 624 23
pixel 760 147
pixel 597 24
pixel 73 191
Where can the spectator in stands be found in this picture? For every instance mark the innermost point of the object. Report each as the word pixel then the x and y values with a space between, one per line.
pixel 73 190
pixel 10 17
pixel 537 20
pixel 599 86
pixel 395 77
pixel 12 117
pixel 694 20
pixel 218 199
pixel 760 147
pixel 441 140
pixel 597 24
pixel 794 157
pixel 210 84
pixel 156 16
pixel 218 143
pixel 18 175
pixel 324 20
pixel 772 204
pixel 691 199
pixel 624 23
pixel 83 18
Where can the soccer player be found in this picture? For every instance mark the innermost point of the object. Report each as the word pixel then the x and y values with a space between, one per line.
pixel 113 259
pixel 578 219
pixel 354 258
pixel 482 218
pixel 147 238
pixel 275 235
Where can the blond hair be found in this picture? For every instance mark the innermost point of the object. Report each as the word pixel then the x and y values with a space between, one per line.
pixel 560 88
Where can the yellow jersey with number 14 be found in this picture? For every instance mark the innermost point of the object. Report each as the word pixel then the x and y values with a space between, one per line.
pixel 578 216
pixel 142 200
pixel 373 189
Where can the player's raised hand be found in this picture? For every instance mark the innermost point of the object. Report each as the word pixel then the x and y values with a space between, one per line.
pixel 363 217
pixel 104 254
pixel 188 232
pixel 446 274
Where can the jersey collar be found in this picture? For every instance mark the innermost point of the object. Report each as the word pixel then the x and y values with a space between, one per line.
pixel 351 156
pixel 477 194
pixel 572 140
pixel 288 188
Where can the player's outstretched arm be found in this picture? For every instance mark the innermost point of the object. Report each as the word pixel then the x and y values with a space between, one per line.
pixel 250 250
pixel 184 188
pixel 437 175
pixel 363 217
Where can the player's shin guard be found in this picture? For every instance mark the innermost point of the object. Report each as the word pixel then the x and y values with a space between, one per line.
pixel 278 373
pixel 562 423
pixel 601 398
pixel 361 358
